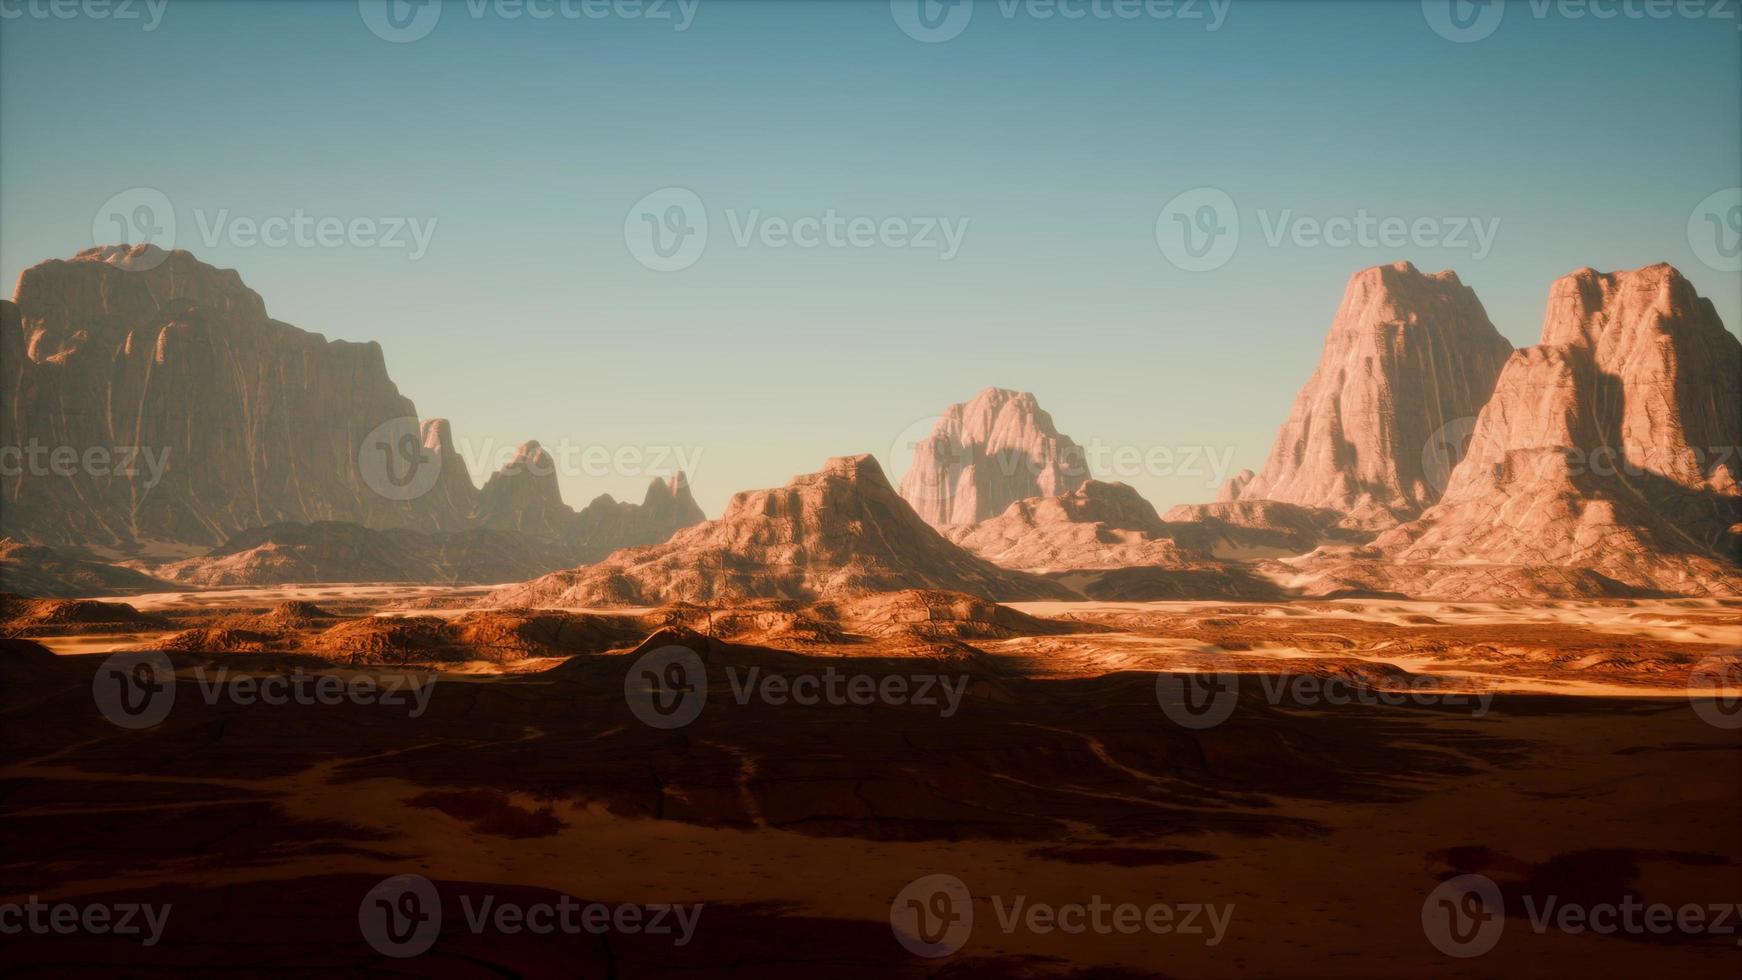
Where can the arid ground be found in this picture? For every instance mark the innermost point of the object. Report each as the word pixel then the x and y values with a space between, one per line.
pixel 1369 751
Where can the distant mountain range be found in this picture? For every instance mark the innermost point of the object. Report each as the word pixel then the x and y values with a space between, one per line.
pixel 1423 457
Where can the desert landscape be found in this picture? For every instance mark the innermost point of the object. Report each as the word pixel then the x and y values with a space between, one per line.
pixel 294 681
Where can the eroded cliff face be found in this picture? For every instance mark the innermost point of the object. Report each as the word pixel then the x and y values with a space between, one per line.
pixel 1611 446
pixel 985 454
pixel 1410 360
pixel 154 407
pixel 841 531
pixel 192 414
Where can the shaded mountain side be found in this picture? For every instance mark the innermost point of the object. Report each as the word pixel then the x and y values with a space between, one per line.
pixel 839 532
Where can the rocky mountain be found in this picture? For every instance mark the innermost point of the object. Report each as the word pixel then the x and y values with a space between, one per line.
pixel 841 531
pixel 37 570
pixel 1097 525
pixel 985 454
pixel 193 414
pixel 1256 529
pixel 523 496
pixel 1611 447
pixel 337 551
pixel 1410 360
pixel 190 417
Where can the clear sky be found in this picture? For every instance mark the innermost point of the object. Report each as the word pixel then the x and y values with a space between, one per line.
pixel 529 143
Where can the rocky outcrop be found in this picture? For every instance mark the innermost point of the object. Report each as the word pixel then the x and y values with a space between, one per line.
pixel 1410 360
pixel 1254 529
pixel 156 408
pixel 608 525
pixel 523 496
pixel 454 498
pixel 193 414
pixel 1098 525
pixel 986 454
pixel 37 570
pixel 336 551
pixel 1610 447
pixel 842 531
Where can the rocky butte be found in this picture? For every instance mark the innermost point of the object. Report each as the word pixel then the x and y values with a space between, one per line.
pixel 842 531
pixel 1375 432
pixel 987 453
pixel 1611 446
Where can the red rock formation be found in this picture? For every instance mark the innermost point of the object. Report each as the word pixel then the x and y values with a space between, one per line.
pixel 1376 429
pixel 523 496
pixel 334 551
pixel 35 570
pixel 1612 446
pixel 243 422
pixel 986 454
pixel 253 420
pixel 839 532
pixel 1098 525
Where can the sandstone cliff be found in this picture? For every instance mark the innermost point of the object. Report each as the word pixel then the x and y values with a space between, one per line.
pixel 1409 361
pixel 985 454
pixel 1612 446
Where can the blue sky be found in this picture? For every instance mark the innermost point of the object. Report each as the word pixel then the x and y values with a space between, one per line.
pixel 1058 142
